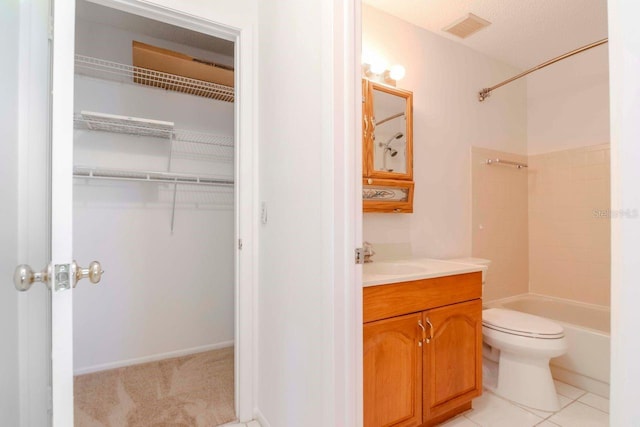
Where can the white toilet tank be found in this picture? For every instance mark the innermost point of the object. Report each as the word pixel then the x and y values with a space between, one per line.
pixel 475 261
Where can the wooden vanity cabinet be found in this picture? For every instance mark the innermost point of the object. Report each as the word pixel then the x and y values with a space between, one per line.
pixel 415 376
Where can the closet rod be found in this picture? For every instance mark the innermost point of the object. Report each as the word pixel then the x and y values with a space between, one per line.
pixel 486 92
pixel 165 178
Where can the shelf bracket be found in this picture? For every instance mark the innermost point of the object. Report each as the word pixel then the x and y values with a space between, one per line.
pixel 171 138
pixel 173 210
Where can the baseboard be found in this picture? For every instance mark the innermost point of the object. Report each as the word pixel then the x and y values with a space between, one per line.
pixel 586 383
pixel 257 415
pixel 152 358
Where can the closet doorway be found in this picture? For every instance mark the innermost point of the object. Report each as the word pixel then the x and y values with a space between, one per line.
pixel 155 200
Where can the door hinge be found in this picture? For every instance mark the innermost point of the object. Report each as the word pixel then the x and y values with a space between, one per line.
pixel 239 244
pixel 359 255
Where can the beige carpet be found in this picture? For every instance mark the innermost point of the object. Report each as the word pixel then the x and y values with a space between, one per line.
pixel 195 390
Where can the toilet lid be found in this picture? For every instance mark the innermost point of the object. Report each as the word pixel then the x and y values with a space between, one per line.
pixel 523 324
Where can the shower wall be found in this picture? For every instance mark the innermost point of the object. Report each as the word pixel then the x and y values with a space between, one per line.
pixel 569 195
pixel 569 224
pixel 546 228
pixel 500 222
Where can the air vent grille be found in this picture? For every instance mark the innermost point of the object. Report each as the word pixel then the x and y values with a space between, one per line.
pixel 466 26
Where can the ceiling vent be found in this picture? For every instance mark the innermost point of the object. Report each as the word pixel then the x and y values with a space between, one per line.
pixel 466 26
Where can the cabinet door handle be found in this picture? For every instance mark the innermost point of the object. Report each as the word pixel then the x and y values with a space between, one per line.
pixel 366 125
pixel 430 337
pixel 424 333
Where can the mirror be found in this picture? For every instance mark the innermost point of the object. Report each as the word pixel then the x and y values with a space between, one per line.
pixel 389 142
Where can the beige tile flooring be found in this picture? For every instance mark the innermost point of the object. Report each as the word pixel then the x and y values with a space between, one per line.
pixel 249 424
pixel 579 409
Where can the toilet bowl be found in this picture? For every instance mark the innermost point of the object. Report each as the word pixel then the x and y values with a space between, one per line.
pixel 517 348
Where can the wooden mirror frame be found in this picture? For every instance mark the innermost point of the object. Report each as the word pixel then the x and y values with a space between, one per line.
pixel 368 129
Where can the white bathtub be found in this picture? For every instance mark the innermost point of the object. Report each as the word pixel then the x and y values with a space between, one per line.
pixel 587 329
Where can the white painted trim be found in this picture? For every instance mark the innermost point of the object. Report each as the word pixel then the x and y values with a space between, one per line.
pixel 153 358
pixel 356 314
pixel 624 86
pixel 62 209
pixel 347 216
pixel 247 220
pixel 243 34
pixel 259 417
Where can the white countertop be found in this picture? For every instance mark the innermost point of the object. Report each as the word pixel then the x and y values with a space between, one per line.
pixel 404 270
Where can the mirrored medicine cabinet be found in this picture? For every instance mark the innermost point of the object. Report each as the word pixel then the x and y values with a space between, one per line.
pixel 387 148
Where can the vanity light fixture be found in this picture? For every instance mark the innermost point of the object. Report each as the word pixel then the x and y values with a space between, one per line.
pixel 397 72
pixel 376 67
pixel 382 74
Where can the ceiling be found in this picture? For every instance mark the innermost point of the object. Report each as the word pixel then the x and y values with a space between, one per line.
pixel 523 33
pixel 95 13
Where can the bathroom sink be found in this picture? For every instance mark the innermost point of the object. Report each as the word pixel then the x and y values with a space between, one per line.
pixel 393 268
pixel 395 271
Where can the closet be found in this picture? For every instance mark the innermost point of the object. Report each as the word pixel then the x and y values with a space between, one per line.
pixel 154 203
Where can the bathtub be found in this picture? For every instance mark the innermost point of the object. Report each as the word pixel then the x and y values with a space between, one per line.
pixel 587 330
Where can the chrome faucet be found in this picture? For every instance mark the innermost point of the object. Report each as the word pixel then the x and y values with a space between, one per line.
pixel 368 251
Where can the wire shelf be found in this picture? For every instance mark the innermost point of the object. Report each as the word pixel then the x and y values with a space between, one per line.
pixel 186 143
pixel 95 67
pixel 90 120
pixel 150 176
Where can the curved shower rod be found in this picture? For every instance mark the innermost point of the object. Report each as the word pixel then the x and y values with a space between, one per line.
pixel 486 92
pixel 395 116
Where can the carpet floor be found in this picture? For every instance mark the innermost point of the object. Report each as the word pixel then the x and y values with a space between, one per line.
pixel 189 391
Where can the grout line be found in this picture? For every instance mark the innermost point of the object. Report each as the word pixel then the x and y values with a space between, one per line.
pixel 470 420
pixel 590 406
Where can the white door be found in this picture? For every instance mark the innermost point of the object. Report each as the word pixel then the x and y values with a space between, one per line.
pixel 45 157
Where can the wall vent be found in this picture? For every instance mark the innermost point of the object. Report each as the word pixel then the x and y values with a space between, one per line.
pixel 466 26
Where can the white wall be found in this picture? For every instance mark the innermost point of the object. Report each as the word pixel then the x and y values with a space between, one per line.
pixel 624 36
pixel 298 181
pixel 292 301
pixel 568 103
pixel 162 292
pixel 445 78
pixel 9 368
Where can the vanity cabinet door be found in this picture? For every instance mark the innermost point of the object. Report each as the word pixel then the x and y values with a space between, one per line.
pixel 393 372
pixel 452 357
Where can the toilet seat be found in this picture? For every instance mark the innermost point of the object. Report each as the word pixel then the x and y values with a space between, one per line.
pixel 521 324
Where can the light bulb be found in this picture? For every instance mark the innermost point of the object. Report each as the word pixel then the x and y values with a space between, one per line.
pixel 378 65
pixel 397 72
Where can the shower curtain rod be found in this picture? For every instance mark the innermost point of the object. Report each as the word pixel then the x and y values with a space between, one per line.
pixel 486 92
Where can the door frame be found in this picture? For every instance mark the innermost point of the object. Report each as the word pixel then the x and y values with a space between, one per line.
pixel 246 176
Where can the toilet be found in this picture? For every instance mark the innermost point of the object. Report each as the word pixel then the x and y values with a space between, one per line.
pixel 516 350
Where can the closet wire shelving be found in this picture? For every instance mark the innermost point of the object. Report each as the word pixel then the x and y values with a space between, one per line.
pixel 109 70
pixel 184 143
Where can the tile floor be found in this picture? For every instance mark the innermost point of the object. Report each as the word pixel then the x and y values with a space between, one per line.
pixel 249 424
pixel 579 409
